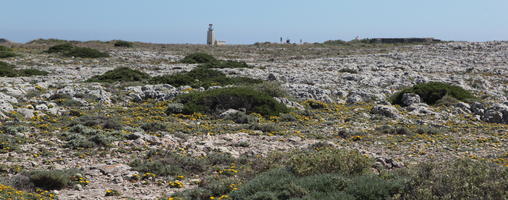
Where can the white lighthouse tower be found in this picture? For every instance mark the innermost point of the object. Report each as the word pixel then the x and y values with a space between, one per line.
pixel 211 36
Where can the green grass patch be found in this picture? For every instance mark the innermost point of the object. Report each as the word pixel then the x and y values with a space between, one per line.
pixel 52 179
pixel 121 74
pixel 433 92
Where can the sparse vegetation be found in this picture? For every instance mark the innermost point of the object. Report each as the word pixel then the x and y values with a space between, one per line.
pixel 432 92
pixel 85 52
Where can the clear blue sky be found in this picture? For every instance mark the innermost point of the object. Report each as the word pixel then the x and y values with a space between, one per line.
pixel 245 22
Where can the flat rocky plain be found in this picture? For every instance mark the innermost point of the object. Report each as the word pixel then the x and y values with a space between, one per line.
pixel 352 85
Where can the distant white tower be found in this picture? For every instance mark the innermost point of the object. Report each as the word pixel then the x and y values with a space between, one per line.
pixel 211 36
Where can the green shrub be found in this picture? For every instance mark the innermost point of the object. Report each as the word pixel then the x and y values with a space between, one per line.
pixel 9 143
pixel 6 52
pixel 123 44
pixel 282 184
pixel 460 179
pixel 273 184
pixel 8 70
pixel 32 72
pixel 225 64
pixel 198 58
pixel 266 128
pixel 218 100
pixel 241 118
pixel 329 161
pixel 65 100
pixel 153 127
pixel 201 77
pixel 370 187
pixel 80 136
pixel 120 74
pixel 85 52
pixel 432 92
pixel 60 48
pixel 52 179
pixel 169 163
pixel 386 129
pixel 273 89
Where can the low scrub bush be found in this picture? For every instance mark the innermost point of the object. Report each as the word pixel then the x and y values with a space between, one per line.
pixel 225 64
pixel 198 58
pixel 121 43
pixel 202 77
pixel 65 100
pixel 6 52
pixel 283 184
pixel 52 179
pixel 460 179
pixel 120 74
pixel 241 118
pixel 169 163
pixel 85 52
pixel 432 92
pixel 218 100
pixel 386 129
pixel 153 127
pixel 9 143
pixel 60 48
pixel 8 70
pixel 84 137
pixel 329 161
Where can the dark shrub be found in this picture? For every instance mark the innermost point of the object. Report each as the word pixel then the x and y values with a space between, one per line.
pixel 370 187
pixel 225 64
pixel 460 179
pixel 198 58
pixel 329 161
pixel 52 179
pixel 218 100
pixel 8 70
pixel 386 129
pixel 201 77
pixel 153 127
pixel 432 92
pixel 120 74
pixel 123 44
pixel 32 72
pixel 60 48
pixel 6 52
pixel 85 52
pixel 169 163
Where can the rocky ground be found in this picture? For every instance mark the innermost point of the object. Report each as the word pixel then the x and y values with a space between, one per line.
pixel 352 84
